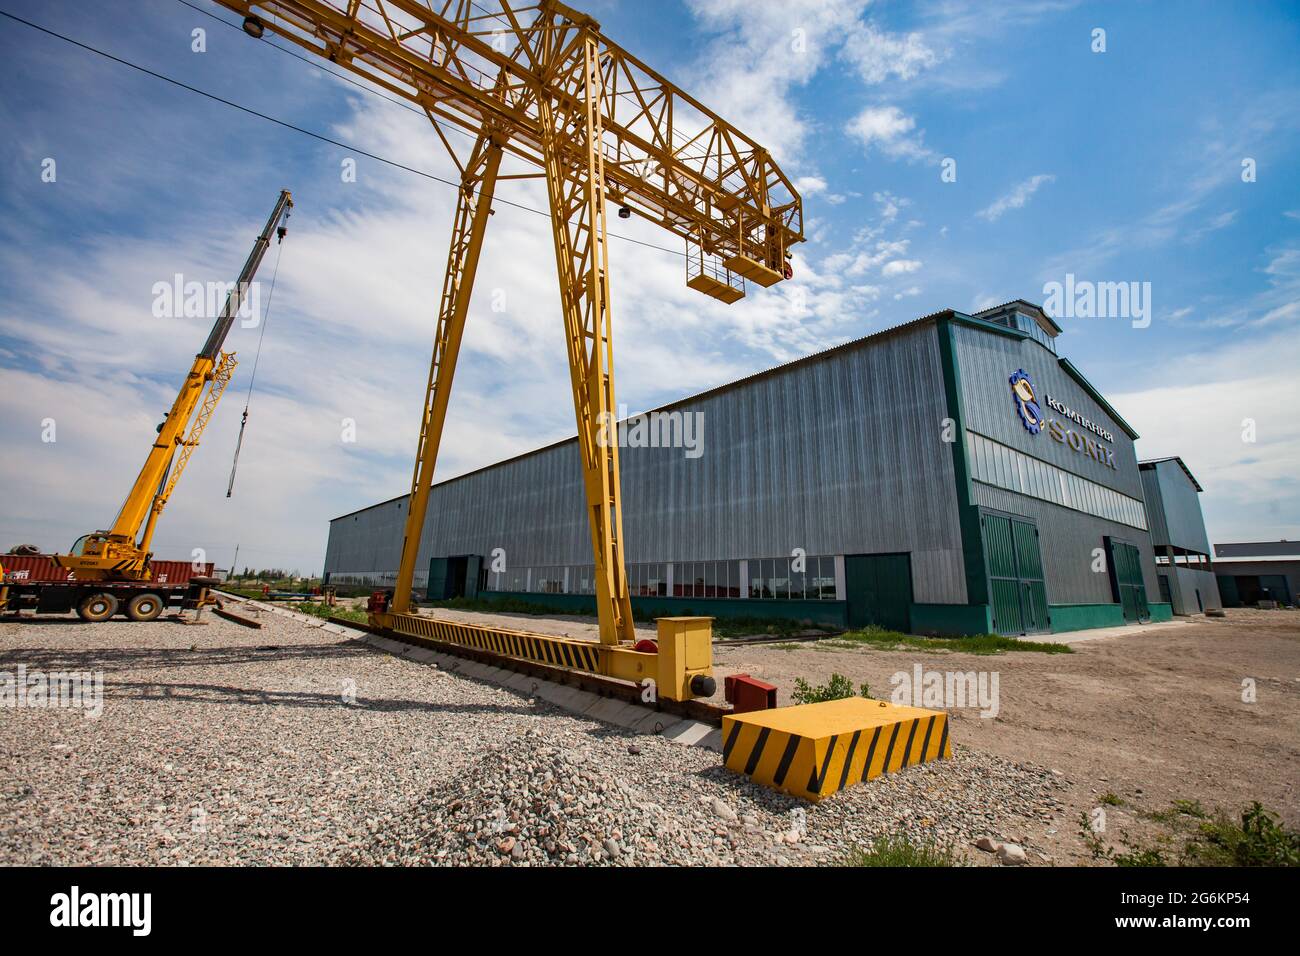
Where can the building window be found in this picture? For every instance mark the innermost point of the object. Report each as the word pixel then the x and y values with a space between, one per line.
pixel 770 579
pixel 995 464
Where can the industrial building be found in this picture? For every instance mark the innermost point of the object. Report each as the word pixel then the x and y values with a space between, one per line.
pixel 950 475
pixel 1249 572
pixel 1178 535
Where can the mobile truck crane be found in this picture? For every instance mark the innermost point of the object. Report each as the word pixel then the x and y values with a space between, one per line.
pixel 110 570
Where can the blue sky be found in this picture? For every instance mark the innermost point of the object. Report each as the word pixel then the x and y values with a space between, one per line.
pixel 1123 165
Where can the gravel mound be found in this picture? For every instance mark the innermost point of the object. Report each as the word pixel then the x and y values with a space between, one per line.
pixel 569 797
pixel 291 745
pixel 574 797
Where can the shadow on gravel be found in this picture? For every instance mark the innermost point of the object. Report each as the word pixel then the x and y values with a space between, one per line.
pixel 67 620
pixel 156 658
pixel 225 694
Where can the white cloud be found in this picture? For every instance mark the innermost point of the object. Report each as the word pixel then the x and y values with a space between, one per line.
pixel 1213 224
pixel 1019 195
pixel 890 205
pixel 878 55
pixel 808 186
pixel 1252 489
pixel 759 54
pixel 890 131
pixel 900 267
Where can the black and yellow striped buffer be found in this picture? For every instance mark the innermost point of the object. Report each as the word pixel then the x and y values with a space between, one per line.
pixel 813 750
pixel 542 648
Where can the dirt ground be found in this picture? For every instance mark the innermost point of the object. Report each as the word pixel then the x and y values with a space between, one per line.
pixel 1134 719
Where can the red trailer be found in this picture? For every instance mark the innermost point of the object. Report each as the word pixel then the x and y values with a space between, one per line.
pixel 41 567
pixel 33 582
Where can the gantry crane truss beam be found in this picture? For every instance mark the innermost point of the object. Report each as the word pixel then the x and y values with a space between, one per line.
pixel 541 84
pixel 490 64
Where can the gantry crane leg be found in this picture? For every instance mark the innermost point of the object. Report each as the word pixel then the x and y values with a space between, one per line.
pixel 473 206
pixel 575 180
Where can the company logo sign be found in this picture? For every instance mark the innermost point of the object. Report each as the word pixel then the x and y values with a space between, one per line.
pixel 1026 400
pixel 1025 396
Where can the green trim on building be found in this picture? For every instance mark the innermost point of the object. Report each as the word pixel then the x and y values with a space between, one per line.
pixel 951 620
pixel 1095 395
pixel 972 544
pixel 984 325
pixel 1083 617
pixel 828 613
pixel 1161 612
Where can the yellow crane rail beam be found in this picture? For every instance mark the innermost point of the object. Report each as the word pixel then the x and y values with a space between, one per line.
pixel 680 670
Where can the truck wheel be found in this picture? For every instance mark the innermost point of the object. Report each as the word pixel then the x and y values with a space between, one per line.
pixel 144 607
pixel 97 607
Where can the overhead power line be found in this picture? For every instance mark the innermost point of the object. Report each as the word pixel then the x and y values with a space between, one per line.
pixel 299 129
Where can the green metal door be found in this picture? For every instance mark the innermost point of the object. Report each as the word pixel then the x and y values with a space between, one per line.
pixel 472 565
pixel 437 589
pixel 1029 567
pixel 1127 584
pixel 1228 590
pixel 1017 588
pixel 878 588
pixel 1004 582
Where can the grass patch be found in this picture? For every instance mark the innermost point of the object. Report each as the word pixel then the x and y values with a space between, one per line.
pixel 1255 837
pixel 1111 800
pixel 324 610
pixel 984 644
pixel 901 850
pixel 1180 808
pixel 837 688
pixel 731 627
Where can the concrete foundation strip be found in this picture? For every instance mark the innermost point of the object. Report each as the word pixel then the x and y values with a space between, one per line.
pixel 690 733
pixel 237 618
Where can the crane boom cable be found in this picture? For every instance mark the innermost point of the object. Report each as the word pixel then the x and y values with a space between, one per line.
pixel 257 358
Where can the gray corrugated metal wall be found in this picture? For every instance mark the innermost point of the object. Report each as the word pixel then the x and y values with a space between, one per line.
pixel 1174 508
pixel 839 454
pixel 986 362
pixel 1185 583
pixel 369 540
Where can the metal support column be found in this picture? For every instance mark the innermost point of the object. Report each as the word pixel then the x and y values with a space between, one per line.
pixel 473 206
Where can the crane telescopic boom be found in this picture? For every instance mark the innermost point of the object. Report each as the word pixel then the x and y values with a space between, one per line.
pixel 116 554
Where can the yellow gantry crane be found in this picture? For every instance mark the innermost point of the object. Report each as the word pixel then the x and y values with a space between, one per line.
pixel 540 83
pixel 117 554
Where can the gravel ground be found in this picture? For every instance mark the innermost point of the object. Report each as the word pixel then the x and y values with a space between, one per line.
pixel 289 745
